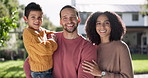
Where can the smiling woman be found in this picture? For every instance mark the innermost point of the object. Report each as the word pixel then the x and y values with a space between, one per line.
pixel 106 30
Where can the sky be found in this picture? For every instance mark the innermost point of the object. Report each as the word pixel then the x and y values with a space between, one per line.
pixel 51 8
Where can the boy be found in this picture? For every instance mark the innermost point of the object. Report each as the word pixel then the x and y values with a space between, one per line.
pixel 39 48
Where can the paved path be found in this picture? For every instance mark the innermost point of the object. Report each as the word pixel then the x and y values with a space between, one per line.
pixel 141 76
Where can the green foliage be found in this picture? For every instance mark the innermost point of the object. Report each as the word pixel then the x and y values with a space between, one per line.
pixel 8 19
pixel 10 4
pixel 58 29
pixel 47 24
pixel 3 10
pixel 144 7
pixel 7 24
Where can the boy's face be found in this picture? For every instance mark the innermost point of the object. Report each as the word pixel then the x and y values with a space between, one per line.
pixel 34 19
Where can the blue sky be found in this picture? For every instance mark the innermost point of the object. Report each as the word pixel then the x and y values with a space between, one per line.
pixel 51 8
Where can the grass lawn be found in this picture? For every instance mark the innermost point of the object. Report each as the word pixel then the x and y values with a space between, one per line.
pixel 14 69
pixel 140 63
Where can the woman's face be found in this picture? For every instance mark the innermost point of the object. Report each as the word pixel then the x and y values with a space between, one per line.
pixel 103 27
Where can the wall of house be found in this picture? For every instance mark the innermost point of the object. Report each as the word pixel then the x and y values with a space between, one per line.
pixel 145 20
pixel 127 18
pixel 81 29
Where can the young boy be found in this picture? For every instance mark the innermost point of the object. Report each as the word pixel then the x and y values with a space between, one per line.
pixel 39 48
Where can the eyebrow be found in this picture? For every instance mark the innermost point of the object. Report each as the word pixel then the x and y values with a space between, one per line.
pixel 105 21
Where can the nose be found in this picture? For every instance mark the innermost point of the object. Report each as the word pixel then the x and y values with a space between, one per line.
pixel 38 20
pixel 69 20
pixel 102 25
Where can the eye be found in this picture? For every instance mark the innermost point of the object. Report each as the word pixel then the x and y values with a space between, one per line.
pixel 33 17
pixel 98 23
pixel 40 18
pixel 64 18
pixel 107 23
pixel 73 18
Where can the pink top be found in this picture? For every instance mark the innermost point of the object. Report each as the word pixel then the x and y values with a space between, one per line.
pixel 69 56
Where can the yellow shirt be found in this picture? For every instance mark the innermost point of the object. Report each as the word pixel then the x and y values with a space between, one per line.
pixel 39 51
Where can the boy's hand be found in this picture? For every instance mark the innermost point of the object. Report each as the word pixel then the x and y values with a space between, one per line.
pixel 45 37
pixel 53 37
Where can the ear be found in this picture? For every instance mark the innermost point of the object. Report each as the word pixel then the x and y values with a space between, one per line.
pixel 25 18
pixel 79 19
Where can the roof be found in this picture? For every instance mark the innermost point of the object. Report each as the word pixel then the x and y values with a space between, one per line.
pixel 136 28
pixel 109 7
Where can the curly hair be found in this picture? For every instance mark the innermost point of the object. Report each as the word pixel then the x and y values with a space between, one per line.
pixel 118 28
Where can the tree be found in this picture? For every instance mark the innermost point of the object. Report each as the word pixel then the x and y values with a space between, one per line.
pixel 8 19
pixel 3 10
pixel 48 24
pixel 145 8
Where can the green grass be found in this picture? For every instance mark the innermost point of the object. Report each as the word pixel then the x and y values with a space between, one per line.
pixel 140 63
pixel 14 69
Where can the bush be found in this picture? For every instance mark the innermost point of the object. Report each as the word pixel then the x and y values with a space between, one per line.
pixel 11 54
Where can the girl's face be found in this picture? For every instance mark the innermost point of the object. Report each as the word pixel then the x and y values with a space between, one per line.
pixel 103 27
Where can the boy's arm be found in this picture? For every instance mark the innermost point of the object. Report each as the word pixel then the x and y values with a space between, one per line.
pixel 38 45
pixel 26 68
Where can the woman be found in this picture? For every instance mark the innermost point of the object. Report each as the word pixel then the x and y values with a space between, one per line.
pixel 106 29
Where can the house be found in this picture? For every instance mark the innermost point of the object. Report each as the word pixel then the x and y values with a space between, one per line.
pixel 136 23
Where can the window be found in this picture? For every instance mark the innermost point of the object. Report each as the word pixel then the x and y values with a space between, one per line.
pixel 144 41
pixel 135 17
pixel 120 15
pixel 84 16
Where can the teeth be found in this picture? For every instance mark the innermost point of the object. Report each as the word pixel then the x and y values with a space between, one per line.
pixel 69 25
pixel 36 24
pixel 102 31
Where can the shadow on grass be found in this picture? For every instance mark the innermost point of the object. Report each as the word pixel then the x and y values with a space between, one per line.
pixel 13 72
pixel 139 57
pixel 14 69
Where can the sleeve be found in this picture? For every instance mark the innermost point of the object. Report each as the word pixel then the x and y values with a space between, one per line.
pixel 48 33
pixel 35 44
pixel 125 64
pixel 54 44
pixel 26 68
pixel 89 53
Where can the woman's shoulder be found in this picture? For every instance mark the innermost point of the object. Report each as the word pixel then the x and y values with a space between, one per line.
pixel 120 44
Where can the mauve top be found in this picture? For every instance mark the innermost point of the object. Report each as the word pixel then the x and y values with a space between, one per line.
pixel 114 58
